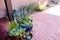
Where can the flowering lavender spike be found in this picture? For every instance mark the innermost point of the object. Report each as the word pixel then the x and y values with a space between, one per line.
pixel 22 11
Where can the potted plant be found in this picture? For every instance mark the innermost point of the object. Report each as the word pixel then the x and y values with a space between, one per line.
pixel 13 31
pixel 24 20
pixel 23 24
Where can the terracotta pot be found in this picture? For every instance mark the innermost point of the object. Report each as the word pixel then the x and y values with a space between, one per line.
pixel 14 38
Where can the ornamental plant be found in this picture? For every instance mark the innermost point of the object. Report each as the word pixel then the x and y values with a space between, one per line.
pixel 15 28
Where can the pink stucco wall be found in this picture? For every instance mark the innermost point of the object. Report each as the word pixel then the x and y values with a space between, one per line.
pixel 2 7
pixel 18 3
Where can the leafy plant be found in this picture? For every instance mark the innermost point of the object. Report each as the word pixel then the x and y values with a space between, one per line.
pixel 39 6
pixel 19 31
pixel 30 8
pixel 15 28
pixel 24 16
pixel 11 25
pixel 24 20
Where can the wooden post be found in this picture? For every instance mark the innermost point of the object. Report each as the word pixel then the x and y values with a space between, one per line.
pixel 9 9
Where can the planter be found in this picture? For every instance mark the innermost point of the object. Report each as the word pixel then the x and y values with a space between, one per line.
pixel 14 38
pixel 27 27
pixel 27 36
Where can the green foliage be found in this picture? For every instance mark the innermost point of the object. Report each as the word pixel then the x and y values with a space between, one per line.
pixel 17 32
pixel 30 8
pixel 24 20
pixel 21 30
pixel 11 25
pixel 39 6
